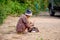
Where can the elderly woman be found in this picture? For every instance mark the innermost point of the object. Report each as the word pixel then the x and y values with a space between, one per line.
pixel 24 23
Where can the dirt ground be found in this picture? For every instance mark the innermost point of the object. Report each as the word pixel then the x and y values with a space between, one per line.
pixel 49 29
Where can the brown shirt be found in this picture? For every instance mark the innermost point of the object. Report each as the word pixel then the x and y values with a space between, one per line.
pixel 22 24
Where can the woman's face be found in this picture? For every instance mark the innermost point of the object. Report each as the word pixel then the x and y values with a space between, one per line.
pixel 28 16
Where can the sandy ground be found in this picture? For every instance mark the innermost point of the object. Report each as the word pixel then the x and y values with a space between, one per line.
pixel 49 28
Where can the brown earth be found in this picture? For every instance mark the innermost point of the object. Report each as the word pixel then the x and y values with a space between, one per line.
pixel 49 28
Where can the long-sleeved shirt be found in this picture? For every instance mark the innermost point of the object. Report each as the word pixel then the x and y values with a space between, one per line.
pixel 22 24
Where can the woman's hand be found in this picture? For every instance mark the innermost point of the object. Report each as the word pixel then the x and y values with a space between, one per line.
pixel 31 24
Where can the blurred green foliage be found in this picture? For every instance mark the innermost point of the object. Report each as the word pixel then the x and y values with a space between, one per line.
pixel 17 7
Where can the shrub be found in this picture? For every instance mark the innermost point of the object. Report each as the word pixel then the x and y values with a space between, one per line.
pixel 17 7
